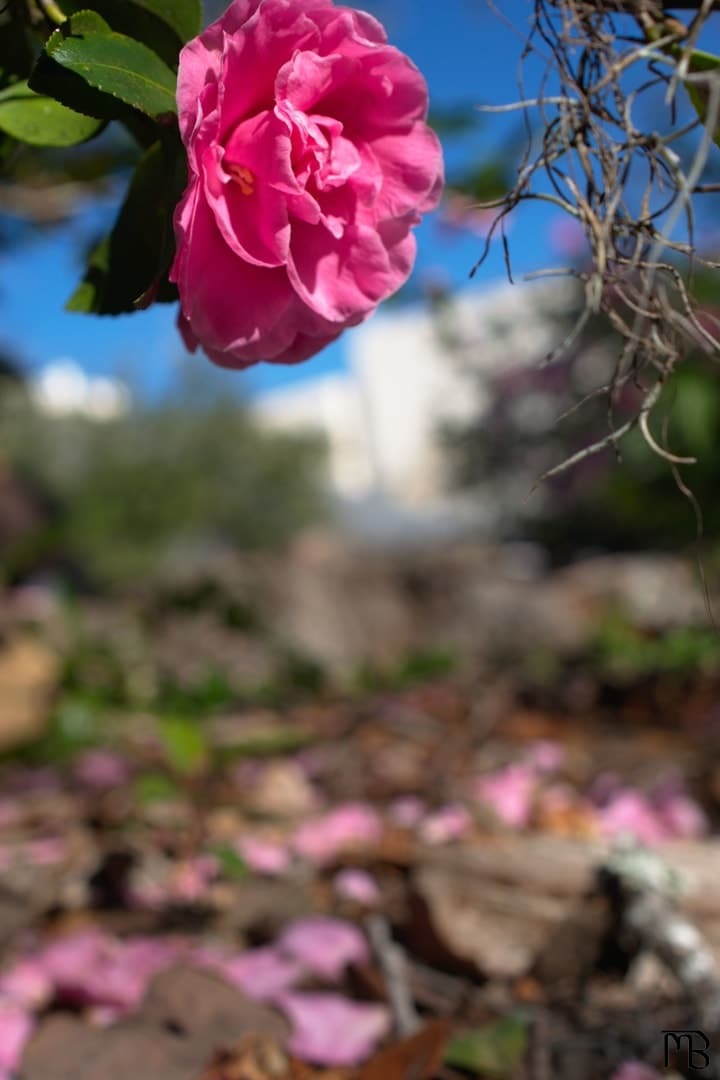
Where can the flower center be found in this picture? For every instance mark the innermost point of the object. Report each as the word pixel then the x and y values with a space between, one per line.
pixel 243 177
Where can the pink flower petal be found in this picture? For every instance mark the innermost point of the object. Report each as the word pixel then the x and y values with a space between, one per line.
pixel 446 824
pixel 349 826
pixel 407 811
pixel 101 769
pixel 331 1030
pixel 16 1026
pixel 263 856
pixel 509 792
pixel 357 885
pixel 630 812
pixel 46 851
pixel 309 163
pixel 91 968
pixel 682 817
pixel 192 878
pixel 27 983
pixel 636 1070
pixel 324 946
pixel 546 756
pixel 262 973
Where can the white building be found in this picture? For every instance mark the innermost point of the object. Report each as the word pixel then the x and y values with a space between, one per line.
pixel 408 374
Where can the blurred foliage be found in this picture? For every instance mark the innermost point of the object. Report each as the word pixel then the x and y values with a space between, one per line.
pixel 532 416
pixel 86 87
pixel 418 666
pixel 625 653
pixel 121 495
pixel 495 1050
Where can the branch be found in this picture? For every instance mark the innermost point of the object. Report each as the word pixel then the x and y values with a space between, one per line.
pixel 644 893
pixel 394 967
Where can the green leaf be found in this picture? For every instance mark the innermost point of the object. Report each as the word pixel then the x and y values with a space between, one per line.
pixel 232 865
pixel 71 90
pixel 184 16
pixel 42 121
pixel 114 64
pixel 698 94
pixel 184 744
pixel 699 61
pixel 137 21
pixel 155 787
pixel 134 258
pixel 493 1050
pixel 87 21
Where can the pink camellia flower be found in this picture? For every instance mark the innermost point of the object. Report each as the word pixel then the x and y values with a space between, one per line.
pixel 309 162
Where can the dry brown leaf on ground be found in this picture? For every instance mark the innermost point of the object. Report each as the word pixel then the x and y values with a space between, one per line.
pixel 187 1017
pixel 416 1058
pixel 260 1057
pixel 28 675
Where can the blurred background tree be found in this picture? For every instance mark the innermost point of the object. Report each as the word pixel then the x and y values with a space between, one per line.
pixel 120 494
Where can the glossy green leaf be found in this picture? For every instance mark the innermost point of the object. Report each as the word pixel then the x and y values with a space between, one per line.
pixel 114 64
pixel 493 1050
pixel 42 121
pixel 132 261
pixel 88 21
pixel 135 21
pixel 184 16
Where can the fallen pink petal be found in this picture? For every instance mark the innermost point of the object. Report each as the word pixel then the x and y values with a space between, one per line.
pixel 192 878
pixel 446 824
pixel 358 886
pixel 324 946
pixel 332 1030
pixel 27 983
pixel 92 968
pixel 509 793
pixel 101 769
pixel 347 827
pixel 630 813
pixel 546 756
pixel 682 817
pixel 636 1070
pixel 16 1025
pixel 262 973
pixel 407 811
pixel 264 856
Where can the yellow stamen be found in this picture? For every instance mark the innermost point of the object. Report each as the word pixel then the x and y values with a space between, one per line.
pixel 242 176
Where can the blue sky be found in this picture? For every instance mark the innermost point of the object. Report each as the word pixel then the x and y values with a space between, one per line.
pixel 467 55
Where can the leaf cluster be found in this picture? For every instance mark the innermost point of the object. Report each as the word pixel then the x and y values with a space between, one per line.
pixel 158 483
pixel 68 70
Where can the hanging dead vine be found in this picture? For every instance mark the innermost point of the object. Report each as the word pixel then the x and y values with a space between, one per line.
pixel 632 189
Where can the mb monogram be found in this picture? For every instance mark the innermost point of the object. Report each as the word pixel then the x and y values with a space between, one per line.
pixel 687 1044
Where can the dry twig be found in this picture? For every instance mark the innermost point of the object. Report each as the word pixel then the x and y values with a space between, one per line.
pixel 608 62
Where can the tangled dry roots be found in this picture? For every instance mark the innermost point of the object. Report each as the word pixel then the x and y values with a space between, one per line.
pixel 610 67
